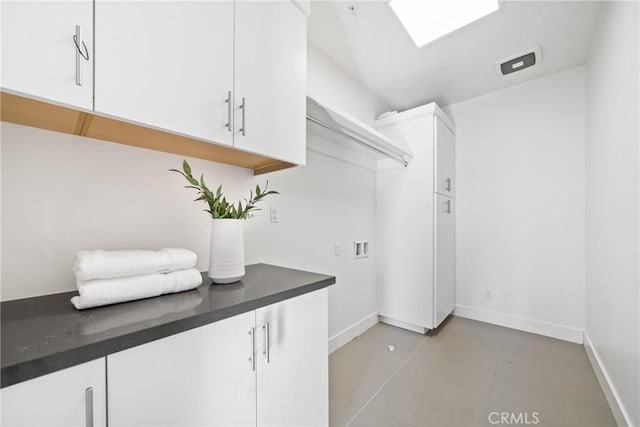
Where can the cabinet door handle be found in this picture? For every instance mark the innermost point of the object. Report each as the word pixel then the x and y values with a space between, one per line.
pixel 229 111
pixel 448 207
pixel 266 342
pixel 243 107
pixel 80 55
pixel 88 402
pixel 252 359
pixel 448 181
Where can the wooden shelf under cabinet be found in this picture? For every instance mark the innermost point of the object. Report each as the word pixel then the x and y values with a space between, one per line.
pixel 44 115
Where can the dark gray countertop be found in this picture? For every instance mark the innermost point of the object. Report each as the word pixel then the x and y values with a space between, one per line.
pixel 44 334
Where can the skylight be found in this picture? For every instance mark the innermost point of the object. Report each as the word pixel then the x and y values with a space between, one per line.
pixel 428 20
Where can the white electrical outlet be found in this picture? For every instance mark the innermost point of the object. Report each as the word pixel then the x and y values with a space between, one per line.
pixel 488 294
pixel 273 214
pixel 336 248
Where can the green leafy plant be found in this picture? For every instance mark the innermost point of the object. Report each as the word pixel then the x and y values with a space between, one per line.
pixel 219 207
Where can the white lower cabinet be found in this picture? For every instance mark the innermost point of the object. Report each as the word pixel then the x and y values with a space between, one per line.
pixel 264 367
pixel 203 376
pixel 293 363
pixel 74 396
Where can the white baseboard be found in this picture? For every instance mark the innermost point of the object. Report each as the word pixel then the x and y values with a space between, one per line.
pixel 539 327
pixel 610 392
pixel 403 325
pixel 346 335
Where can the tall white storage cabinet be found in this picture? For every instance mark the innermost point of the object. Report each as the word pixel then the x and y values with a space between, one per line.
pixel 415 222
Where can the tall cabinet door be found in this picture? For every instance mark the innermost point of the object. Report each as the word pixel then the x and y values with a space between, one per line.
pixel 445 159
pixel 292 361
pixel 39 53
pixel 204 376
pixel 167 64
pixel 74 397
pixel 270 85
pixel 444 286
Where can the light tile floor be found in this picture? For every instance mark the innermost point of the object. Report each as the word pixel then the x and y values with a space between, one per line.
pixel 460 376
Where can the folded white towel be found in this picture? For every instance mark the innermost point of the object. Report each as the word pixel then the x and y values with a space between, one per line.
pixel 95 293
pixel 109 264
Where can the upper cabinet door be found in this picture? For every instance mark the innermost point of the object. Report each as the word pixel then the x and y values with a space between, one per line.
pixel 270 85
pixel 292 362
pixel 167 64
pixel 445 159
pixel 39 55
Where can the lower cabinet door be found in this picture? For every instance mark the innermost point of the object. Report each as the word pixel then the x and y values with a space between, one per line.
pixel 444 258
pixel 204 376
pixel 293 362
pixel 71 397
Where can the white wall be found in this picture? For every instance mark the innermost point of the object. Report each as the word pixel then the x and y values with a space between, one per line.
pixel 520 220
pixel 327 79
pixel 62 193
pixel 613 215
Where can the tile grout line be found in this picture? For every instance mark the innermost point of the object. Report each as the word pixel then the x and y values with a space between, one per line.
pixel 385 383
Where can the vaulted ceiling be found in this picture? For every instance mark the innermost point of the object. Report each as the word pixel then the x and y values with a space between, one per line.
pixel 374 47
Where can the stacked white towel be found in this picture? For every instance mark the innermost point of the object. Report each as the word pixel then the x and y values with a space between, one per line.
pixel 109 277
pixel 109 264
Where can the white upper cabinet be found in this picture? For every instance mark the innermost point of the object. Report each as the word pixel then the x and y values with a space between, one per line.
pixel 445 159
pixel 226 72
pixel 73 397
pixel 39 54
pixel 167 64
pixel 231 73
pixel 270 79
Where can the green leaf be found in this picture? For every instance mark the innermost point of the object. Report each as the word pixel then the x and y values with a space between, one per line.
pixel 218 205
pixel 186 167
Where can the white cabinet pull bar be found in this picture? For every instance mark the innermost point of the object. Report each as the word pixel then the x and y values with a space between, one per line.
pixel 229 111
pixel 266 342
pixel 88 401
pixel 80 55
pixel 243 107
pixel 252 359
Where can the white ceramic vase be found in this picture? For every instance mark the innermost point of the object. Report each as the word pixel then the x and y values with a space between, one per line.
pixel 226 259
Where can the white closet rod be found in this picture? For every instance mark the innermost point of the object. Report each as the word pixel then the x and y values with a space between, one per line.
pixel 368 145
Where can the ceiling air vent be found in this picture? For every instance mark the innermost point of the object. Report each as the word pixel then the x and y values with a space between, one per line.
pixel 518 62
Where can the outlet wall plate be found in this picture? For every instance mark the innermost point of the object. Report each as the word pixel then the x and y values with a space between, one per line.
pixel 361 249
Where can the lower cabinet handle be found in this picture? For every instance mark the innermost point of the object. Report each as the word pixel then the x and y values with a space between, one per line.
pixel 252 358
pixel 243 107
pixel 448 207
pixel 266 342
pixel 88 401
